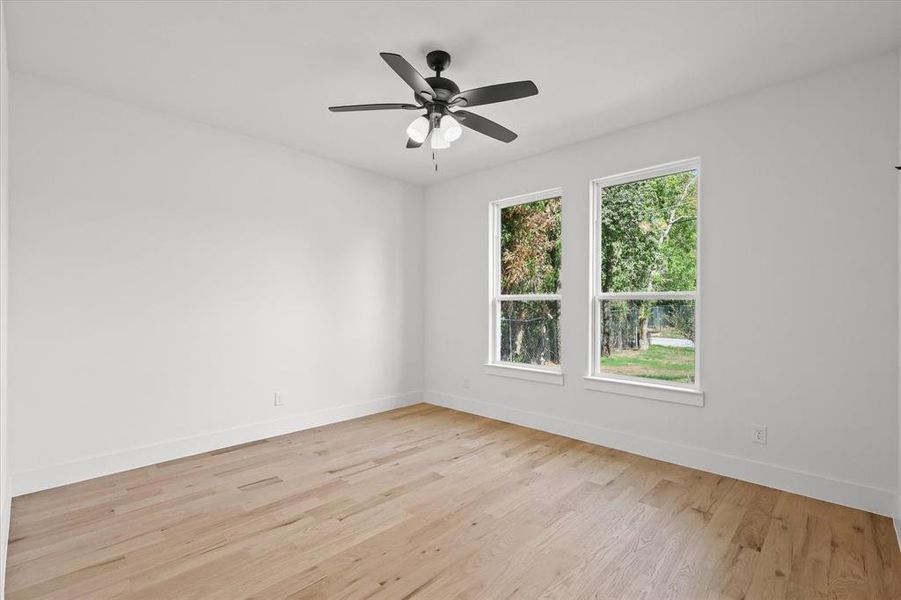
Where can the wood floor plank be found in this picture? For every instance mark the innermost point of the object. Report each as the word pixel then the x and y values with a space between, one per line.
pixel 425 502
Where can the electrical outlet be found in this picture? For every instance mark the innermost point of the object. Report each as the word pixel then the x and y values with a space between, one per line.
pixel 465 384
pixel 277 399
pixel 759 434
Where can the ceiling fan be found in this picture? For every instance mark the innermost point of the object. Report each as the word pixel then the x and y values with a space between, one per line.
pixel 437 96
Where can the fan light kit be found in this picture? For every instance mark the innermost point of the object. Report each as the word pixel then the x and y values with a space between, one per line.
pixel 437 95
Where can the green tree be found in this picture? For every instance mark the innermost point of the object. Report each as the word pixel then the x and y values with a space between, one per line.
pixel 530 264
pixel 648 244
pixel 531 243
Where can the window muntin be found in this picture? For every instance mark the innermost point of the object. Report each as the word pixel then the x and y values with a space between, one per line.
pixel 525 302
pixel 645 276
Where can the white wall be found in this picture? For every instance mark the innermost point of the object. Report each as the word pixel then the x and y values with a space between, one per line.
pixel 799 232
pixel 168 277
pixel 898 507
pixel 4 286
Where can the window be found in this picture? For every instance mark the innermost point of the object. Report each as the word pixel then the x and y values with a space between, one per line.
pixel 645 283
pixel 525 285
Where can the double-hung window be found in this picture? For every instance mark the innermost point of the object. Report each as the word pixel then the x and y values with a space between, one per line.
pixel 525 286
pixel 645 283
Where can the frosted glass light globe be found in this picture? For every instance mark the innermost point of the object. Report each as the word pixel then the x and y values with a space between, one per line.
pixel 451 129
pixel 438 140
pixel 418 130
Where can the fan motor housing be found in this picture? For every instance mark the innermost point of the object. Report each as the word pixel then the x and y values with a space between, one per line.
pixel 444 88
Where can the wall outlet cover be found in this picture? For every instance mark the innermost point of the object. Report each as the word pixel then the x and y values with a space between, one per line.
pixel 760 434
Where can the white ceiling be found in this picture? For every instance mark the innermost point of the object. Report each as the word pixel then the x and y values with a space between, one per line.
pixel 270 69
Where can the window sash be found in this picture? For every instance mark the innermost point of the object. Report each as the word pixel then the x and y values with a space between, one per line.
pixel 597 201
pixel 646 295
pixel 597 370
pixel 528 297
pixel 495 342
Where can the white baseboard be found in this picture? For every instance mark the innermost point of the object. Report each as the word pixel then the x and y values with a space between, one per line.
pixel 847 493
pixel 4 536
pixel 897 519
pixel 897 522
pixel 96 466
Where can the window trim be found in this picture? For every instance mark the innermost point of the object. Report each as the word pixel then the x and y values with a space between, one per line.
pixel 603 381
pixel 525 372
pixel 494 365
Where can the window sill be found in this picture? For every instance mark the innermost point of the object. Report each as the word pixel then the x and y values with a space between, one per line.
pixel 525 373
pixel 650 391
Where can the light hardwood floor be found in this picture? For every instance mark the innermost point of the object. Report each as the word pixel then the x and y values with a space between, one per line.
pixel 425 502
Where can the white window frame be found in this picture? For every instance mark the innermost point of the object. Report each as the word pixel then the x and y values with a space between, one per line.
pixel 604 381
pixel 494 364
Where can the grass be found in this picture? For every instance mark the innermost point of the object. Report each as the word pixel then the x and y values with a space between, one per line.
pixel 656 362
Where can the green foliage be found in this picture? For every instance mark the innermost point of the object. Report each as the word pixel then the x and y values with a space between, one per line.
pixel 648 234
pixel 531 247
pixel 682 322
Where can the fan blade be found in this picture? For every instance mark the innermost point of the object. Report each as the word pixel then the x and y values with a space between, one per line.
pixel 484 126
pixel 354 107
pixel 495 93
pixel 408 73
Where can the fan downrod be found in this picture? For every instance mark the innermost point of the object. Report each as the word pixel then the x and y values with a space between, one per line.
pixel 438 61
